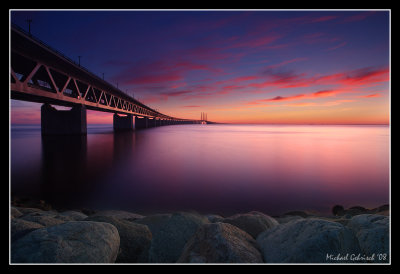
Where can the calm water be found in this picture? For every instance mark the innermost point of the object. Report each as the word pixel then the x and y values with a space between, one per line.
pixel 221 169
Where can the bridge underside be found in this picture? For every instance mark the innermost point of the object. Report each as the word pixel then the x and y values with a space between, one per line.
pixel 68 122
pixel 43 75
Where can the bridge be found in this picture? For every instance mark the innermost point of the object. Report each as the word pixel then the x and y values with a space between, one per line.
pixel 41 74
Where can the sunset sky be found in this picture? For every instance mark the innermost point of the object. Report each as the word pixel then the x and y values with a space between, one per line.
pixel 237 66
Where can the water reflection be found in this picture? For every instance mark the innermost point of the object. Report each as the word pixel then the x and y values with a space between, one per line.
pixel 217 168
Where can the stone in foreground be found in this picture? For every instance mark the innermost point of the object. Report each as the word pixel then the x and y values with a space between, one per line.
pixel 372 232
pixel 221 243
pixel 307 241
pixel 253 223
pixel 135 239
pixel 71 242
pixel 171 235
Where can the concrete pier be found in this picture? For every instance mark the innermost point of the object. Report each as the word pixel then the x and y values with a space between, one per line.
pixel 141 123
pixel 54 122
pixel 123 123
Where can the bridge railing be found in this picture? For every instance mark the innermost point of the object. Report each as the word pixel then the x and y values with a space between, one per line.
pixel 37 40
pixel 57 52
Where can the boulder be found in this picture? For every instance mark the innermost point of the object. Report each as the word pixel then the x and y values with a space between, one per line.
pixel 73 215
pixel 212 218
pixel 221 243
pixel 154 222
pixel 119 214
pixel 372 232
pixel 72 242
pixel 45 218
pixel 27 210
pixel 356 210
pixel 135 239
pixel 306 241
pixel 287 218
pixel 300 213
pixel 15 213
pixel 253 223
pixel 338 210
pixel 171 234
pixel 20 228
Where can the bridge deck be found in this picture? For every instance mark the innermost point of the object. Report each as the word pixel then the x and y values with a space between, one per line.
pixel 42 74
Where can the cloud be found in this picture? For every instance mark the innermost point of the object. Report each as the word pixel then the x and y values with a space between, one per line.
pixel 358 17
pixel 287 62
pixel 337 46
pixel 323 19
pixel 370 95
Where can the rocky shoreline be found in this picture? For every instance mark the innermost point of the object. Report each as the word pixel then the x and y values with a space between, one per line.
pixel 42 235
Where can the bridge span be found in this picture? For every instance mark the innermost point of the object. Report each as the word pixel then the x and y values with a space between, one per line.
pixel 41 74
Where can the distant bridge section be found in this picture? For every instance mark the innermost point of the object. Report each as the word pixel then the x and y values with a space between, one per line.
pixel 44 75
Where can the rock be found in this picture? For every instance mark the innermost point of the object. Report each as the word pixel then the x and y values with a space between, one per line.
pixel 135 239
pixel 15 213
pixel 356 210
pixel 171 235
pixel 384 213
pixel 338 210
pixel 45 218
pixel 383 208
pixel 372 232
pixel 119 214
pixel 342 221
pixel 73 215
pixel 20 228
pixel 306 241
pixel 212 218
pixel 27 210
pixel 285 219
pixel 72 242
pixel 253 223
pixel 154 222
pixel 298 213
pixel 220 243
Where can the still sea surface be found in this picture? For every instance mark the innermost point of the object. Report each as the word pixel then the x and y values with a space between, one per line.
pixel 222 169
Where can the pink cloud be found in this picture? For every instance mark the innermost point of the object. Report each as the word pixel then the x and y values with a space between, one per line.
pixel 370 95
pixel 323 19
pixel 337 46
pixel 287 62
pixel 152 79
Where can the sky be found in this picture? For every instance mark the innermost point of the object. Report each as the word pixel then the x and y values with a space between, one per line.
pixel 247 66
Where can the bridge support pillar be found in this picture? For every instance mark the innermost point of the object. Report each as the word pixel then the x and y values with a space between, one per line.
pixel 122 123
pixel 151 122
pixel 141 123
pixel 56 122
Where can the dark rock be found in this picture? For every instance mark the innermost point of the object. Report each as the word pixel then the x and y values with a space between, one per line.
pixel 154 222
pixel 220 243
pixel 287 218
pixel 253 223
pixel 20 228
pixel 45 218
pixel 338 210
pixel 15 213
pixel 298 213
pixel 171 235
pixel 119 214
pixel 306 241
pixel 72 242
pixel 27 210
pixel 372 232
pixel 383 208
pixel 212 218
pixel 135 239
pixel 73 215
